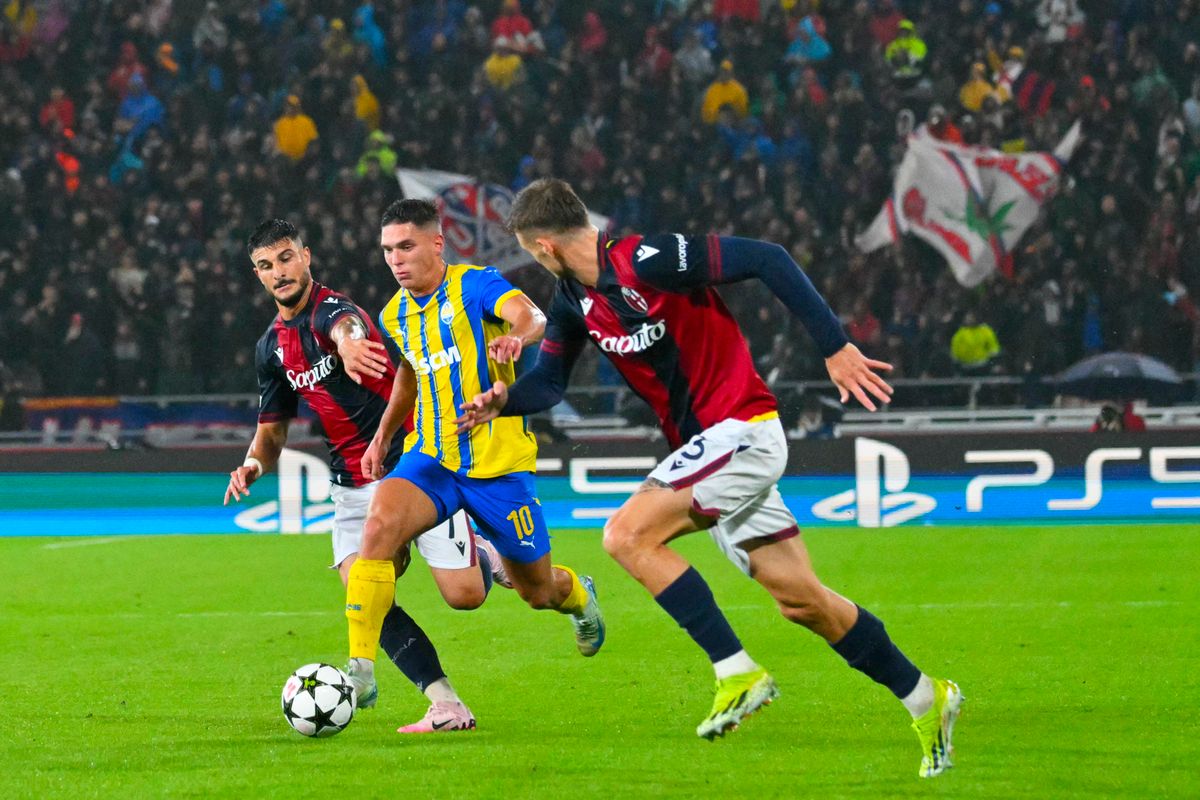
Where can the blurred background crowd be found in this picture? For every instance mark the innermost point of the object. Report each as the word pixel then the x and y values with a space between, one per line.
pixel 141 140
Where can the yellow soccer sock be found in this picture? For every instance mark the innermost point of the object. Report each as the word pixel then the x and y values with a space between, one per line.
pixel 577 600
pixel 370 591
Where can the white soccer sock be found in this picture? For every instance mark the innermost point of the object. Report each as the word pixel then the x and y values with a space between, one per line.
pixel 363 668
pixel 735 664
pixel 440 691
pixel 920 699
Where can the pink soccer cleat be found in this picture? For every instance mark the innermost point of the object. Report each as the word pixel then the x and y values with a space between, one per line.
pixel 499 573
pixel 442 717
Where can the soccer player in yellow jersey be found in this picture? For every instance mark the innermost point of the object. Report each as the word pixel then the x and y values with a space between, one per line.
pixel 457 328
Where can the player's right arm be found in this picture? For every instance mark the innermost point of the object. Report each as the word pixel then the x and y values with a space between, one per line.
pixel 269 439
pixel 400 405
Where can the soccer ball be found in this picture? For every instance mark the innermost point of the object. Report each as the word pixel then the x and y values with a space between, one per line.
pixel 319 700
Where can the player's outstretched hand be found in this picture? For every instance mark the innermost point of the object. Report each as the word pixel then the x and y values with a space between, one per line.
pixel 363 358
pixel 239 484
pixel 502 348
pixel 372 460
pixel 853 374
pixel 482 407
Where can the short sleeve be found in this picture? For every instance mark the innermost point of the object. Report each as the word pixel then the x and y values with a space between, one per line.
pixel 277 400
pixel 494 291
pixel 678 263
pixel 330 310
pixel 392 346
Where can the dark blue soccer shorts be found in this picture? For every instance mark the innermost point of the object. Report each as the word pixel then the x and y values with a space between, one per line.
pixel 505 508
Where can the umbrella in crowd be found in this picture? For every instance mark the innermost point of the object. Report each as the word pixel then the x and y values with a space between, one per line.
pixel 1124 376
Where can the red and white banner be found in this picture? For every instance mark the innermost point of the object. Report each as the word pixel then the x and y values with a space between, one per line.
pixel 473 216
pixel 972 204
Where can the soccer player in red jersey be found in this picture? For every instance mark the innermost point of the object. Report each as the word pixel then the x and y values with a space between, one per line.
pixel 649 304
pixel 325 349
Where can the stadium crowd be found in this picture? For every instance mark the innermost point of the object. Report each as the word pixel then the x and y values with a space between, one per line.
pixel 141 140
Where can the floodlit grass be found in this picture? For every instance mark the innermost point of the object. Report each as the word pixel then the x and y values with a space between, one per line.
pixel 151 667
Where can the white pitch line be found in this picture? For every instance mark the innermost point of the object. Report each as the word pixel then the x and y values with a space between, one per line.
pixel 331 610
pixel 83 541
pixel 998 605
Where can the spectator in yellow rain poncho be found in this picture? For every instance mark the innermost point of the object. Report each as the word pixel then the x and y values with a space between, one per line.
pixel 295 130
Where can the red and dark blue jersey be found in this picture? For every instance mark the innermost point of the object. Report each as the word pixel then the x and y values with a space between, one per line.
pixel 296 359
pixel 655 315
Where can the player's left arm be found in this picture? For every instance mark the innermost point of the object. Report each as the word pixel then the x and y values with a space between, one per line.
pixel 682 264
pixel 527 326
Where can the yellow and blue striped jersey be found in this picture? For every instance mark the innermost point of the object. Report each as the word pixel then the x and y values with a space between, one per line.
pixel 444 337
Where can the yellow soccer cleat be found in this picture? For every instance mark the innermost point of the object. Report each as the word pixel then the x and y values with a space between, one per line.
pixel 935 727
pixel 738 696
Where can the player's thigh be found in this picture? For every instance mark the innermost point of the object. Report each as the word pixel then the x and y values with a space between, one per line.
pixel 449 550
pixel 713 475
pixel 462 589
pixel 653 515
pixel 508 514
pixel 411 499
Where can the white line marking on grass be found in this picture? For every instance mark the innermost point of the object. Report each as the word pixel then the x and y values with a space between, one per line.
pixel 254 613
pixel 1000 605
pixel 82 542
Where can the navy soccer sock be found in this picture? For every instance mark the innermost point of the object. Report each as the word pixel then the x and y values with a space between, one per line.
pixel 867 648
pixel 690 603
pixel 410 649
pixel 485 566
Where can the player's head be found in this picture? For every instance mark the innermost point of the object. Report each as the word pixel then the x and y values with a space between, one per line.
pixel 411 237
pixel 547 215
pixel 281 261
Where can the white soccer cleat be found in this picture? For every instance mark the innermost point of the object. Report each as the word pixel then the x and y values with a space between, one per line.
pixel 364 685
pixel 589 625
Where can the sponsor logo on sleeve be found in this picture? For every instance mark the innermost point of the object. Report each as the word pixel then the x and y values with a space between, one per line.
pixel 682 247
pixel 644 251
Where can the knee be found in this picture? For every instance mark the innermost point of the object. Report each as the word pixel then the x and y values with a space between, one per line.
pixel 804 606
pixel 381 538
pixel 802 613
pixel 620 537
pixel 466 599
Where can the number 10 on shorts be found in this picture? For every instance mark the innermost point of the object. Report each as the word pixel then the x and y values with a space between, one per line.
pixel 522 521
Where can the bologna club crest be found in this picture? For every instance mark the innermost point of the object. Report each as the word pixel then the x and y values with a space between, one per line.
pixel 635 300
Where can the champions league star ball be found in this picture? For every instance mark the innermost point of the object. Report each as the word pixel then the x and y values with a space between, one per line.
pixel 319 700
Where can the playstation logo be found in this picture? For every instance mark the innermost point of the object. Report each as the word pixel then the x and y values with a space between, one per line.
pixel 878 499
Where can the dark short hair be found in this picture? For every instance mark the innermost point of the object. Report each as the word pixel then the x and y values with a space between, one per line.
pixel 271 231
pixel 547 204
pixel 422 213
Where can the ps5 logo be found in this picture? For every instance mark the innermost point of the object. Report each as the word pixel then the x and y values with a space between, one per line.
pixel 303 505
pixel 878 499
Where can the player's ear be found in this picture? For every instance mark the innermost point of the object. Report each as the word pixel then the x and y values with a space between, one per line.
pixel 439 242
pixel 548 245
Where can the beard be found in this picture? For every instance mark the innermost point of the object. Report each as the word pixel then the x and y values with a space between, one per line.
pixel 292 300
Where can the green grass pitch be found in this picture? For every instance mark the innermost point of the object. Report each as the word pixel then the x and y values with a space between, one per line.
pixel 151 667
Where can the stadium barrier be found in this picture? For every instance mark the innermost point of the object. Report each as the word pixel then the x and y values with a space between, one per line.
pixel 865 481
